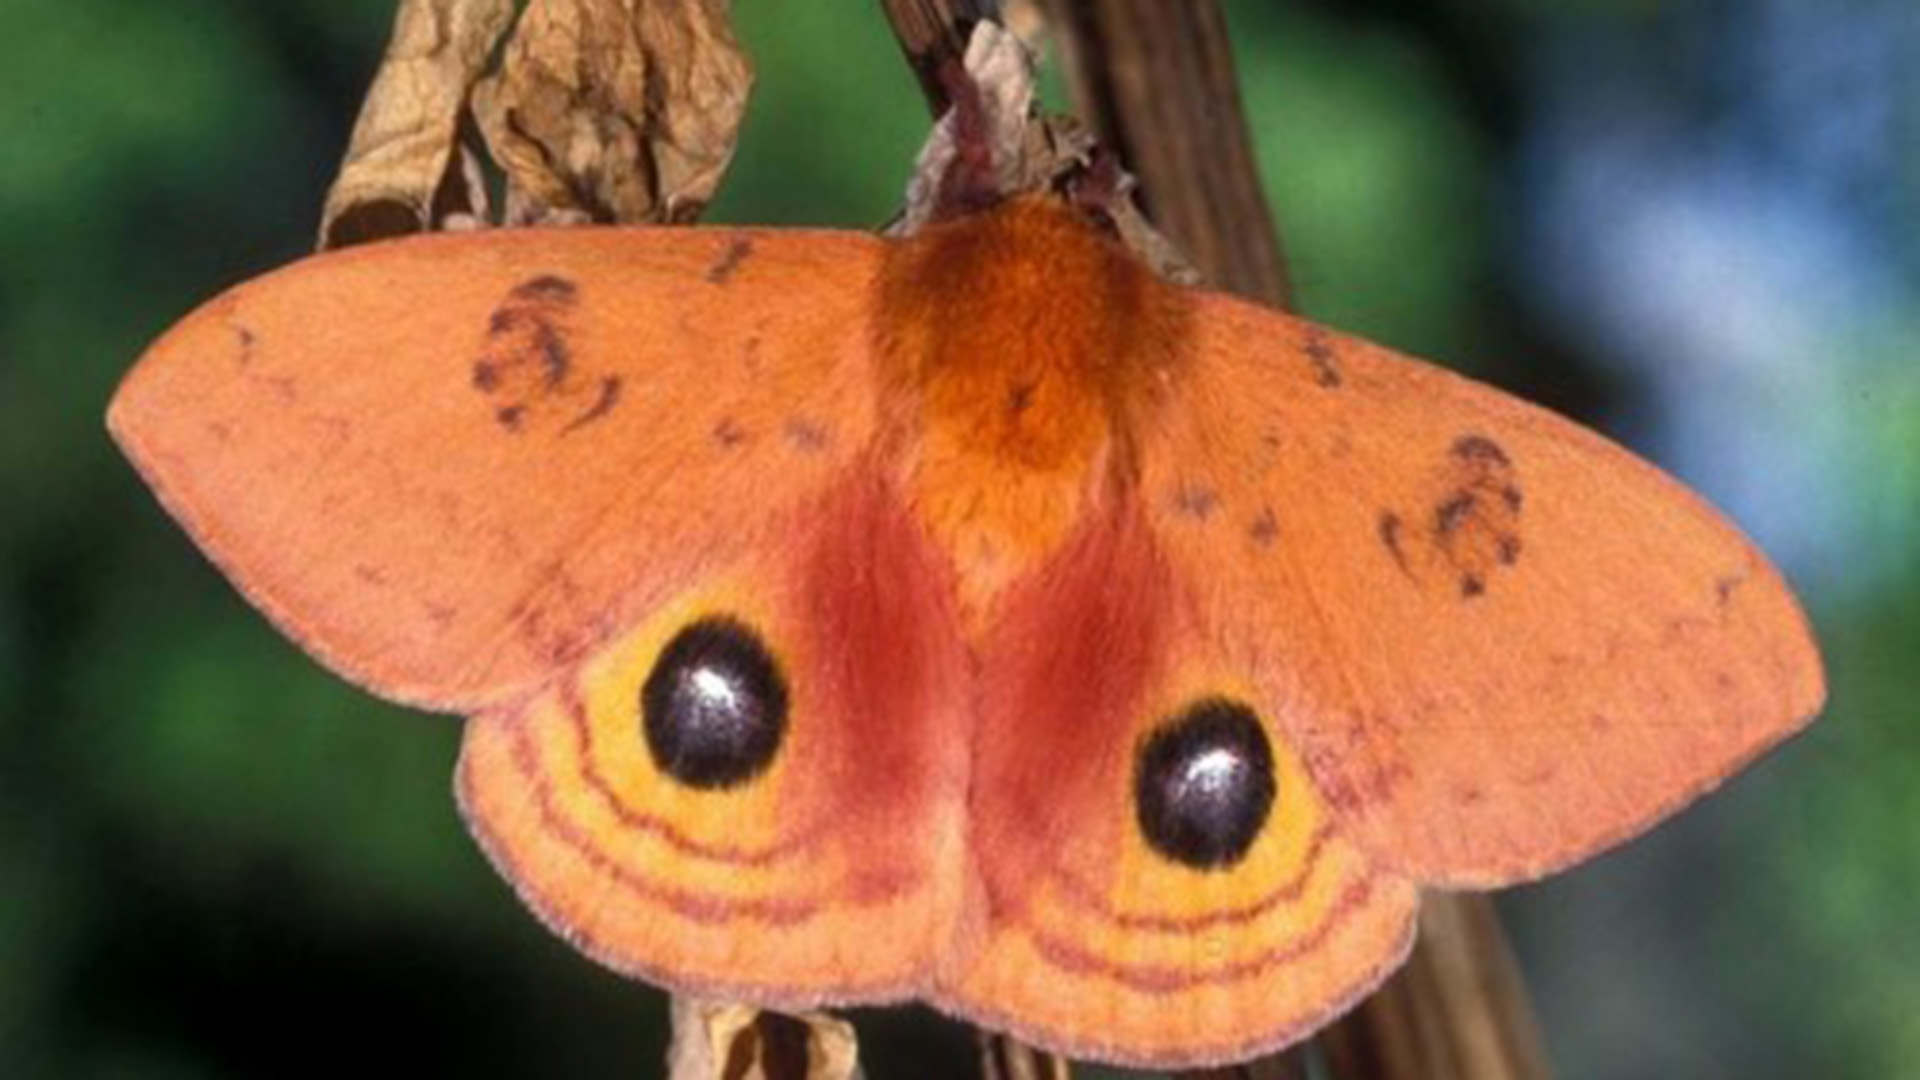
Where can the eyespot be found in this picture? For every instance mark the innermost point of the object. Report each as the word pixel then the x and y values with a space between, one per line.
pixel 714 708
pixel 1203 784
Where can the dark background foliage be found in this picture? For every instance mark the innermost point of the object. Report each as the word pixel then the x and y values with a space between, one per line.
pixel 1693 224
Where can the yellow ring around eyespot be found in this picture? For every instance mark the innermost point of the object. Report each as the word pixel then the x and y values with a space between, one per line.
pixel 621 795
pixel 1164 910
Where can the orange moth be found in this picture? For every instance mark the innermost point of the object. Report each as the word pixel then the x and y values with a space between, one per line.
pixel 972 618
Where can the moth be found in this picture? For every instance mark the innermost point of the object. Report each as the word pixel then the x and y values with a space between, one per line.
pixel 973 618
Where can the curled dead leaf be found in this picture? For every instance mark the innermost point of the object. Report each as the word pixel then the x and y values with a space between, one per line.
pixel 404 169
pixel 615 110
pixel 714 1039
pixel 597 111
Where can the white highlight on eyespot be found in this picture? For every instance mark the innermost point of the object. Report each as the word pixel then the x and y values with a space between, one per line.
pixel 714 689
pixel 1214 772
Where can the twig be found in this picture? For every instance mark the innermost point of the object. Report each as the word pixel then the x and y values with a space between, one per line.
pixel 1156 82
pixel 934 33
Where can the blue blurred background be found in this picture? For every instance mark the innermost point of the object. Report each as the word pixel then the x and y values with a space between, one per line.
pixel 1695 225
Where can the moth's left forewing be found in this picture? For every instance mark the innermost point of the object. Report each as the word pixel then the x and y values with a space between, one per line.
pixel 1501 641
pixel 500 472
pixel 447 465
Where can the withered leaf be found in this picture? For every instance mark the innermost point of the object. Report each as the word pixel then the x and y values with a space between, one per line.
pixel 401 173
pixel 712 1039
pixel 599 110
pixel 615 110
pixel 1031 153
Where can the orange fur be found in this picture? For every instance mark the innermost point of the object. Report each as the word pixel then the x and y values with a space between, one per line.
pixel 1006 511
pixel 1017 395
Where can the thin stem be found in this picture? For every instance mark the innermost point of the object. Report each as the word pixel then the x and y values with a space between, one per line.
pixel 933 33
pixel 1156 81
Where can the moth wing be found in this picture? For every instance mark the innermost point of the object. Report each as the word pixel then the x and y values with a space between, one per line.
pixel 1083 934
pixel 500 472
pixel 450 465
pixel 1500 641
pixel 824 876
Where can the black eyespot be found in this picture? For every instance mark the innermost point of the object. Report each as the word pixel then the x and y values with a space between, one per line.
pixel 714 708
pixel 1203 784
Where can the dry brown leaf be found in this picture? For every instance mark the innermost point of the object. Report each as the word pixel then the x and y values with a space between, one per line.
pixel 615 110
pixel 401 173
pixel 1031 153
pixel 600 110
pixel 715 1039
pixel 1002 68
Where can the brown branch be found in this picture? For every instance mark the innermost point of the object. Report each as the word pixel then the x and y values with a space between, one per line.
pixel 1156 80
pixel 933 34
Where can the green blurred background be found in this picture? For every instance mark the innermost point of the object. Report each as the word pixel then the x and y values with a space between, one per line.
pixel 1695 225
